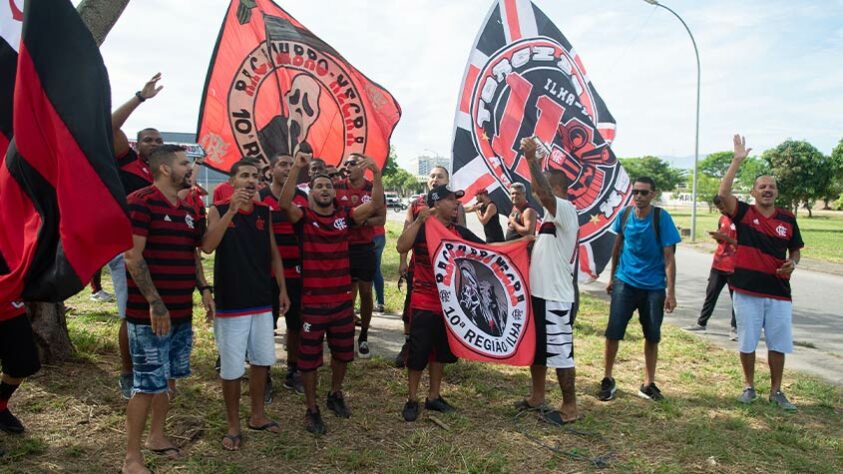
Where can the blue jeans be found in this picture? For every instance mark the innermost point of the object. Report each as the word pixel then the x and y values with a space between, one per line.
pixel 158 359
pixel 625 300
pixel 380 243
pixel 117 267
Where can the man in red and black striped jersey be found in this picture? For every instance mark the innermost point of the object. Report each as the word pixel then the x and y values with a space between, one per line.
pixel 240 231
pixel 327 305
pixel 768 251
pixel 18 357
pixel 163 271
pixel 135 174
pixel 287 239
pixel 428 340
pixel 353 192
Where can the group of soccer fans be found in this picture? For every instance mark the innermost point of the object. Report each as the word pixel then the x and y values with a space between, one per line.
pixel 307 252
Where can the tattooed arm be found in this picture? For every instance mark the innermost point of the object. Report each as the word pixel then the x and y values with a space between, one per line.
pixel 159 315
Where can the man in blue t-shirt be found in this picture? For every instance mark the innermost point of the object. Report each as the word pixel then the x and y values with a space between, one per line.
pixel 647 267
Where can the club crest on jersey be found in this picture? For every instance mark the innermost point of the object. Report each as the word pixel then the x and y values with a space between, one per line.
pixel 366 199
pixel 340 224
pixel 483 296
pixel 260 223
pixel 781 230
pixel 188 219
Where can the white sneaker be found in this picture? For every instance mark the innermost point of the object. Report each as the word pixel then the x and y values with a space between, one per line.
pixel 733 334
pixel 363 350
pixel 103 296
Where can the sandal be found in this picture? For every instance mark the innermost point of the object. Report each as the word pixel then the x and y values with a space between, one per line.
pixel 172 452
pixel 524 405
pixel 235 442
pixel 266 427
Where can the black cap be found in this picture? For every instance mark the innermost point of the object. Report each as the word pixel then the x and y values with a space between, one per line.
pixel 441 192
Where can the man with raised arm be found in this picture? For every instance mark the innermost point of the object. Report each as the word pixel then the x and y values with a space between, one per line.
pixel 552 289
pixel 327 305
pixel 246 258
pixel 769 244
pixel 164 269
pixel 134 174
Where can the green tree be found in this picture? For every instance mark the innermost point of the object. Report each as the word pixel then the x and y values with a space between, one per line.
pixel 716 164
pixel 665 176
pixel 707 188
pixel 752 168
pixel 835 188
pixel 802 172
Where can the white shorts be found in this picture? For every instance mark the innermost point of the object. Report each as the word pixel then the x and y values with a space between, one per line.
pixel 753 313
pixel 239 337
pixel 554 334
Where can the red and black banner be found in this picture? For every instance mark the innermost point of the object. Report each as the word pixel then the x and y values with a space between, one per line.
pixel 273 85
pixel 485 297
pixel 524 79
pixel 63 212
pixel 11 20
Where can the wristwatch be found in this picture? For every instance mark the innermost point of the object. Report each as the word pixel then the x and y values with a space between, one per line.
pixel 139 96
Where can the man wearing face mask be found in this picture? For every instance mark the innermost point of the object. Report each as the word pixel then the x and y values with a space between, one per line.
pixel 769 244
pixel 353 192
pixel 643 279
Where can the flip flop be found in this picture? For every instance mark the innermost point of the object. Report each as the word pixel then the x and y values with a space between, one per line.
pixel 235 442
pixel 266 427
pixel 553 417
pixel 524 405
pixel 166 452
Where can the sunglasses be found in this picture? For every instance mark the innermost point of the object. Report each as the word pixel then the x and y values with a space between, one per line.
pixel 642 192
pixel 351 163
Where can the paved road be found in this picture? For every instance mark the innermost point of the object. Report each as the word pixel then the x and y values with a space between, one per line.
pixel 817 310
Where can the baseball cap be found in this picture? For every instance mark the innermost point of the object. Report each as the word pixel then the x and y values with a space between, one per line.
pixel 441 192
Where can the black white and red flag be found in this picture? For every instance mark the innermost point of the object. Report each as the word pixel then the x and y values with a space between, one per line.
pixel 273 85
pixel 62 207
pixel 11 20
pixel 524 79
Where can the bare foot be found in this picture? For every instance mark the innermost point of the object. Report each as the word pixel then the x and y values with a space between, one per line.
pixel 569 414
pixel 163 447
pixel 135 466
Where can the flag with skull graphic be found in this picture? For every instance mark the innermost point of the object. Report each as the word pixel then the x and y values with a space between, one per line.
pixel 273 86
pixel 524 79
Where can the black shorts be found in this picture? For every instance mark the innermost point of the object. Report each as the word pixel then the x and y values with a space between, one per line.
pixel 362 262
pixel 293 316
pixel 428 340
pixel 18 353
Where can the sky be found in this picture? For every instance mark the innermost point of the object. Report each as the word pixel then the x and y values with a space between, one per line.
pixel 771 69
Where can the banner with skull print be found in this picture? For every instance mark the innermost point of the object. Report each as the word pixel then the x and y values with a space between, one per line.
pixel 273 86
pixel 524 79
pixel 485 297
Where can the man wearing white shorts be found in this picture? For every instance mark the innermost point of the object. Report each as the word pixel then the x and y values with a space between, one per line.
pixel 768 251
pixel 553 292
pixel 240 230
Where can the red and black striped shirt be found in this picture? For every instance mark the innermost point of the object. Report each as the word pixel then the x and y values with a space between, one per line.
pixel 326 276
pixel 134 172
pixel 349 196
pixel 425 294
pixel 763 243
pixel 286 235
pixel 172 234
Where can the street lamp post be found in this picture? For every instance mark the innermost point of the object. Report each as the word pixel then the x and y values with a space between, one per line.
pixel 697 136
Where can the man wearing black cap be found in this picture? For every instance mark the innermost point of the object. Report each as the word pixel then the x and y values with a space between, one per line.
pixel 427 324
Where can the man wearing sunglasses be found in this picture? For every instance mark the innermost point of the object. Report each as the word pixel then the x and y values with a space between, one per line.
pixel 643 279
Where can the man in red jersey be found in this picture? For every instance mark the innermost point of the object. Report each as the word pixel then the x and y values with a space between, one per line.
pixel 327 305
pixel 289 247
pixel 769 244
pixel 164 270
pixel 353 192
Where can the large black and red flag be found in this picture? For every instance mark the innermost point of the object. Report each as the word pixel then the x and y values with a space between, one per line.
pixel 273 85
pixel 11 20
pixel 485 297
pixel 524 79
pixel 62 207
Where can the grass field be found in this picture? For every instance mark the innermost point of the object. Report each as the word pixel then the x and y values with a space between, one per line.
pixel 822 233
pixel 76 418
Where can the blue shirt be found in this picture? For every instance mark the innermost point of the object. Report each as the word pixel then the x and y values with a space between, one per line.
pixel 642 260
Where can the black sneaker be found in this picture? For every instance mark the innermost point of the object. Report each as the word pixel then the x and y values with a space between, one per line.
pixel 336 403
pixel 10 423
pixel 651 392
pixel 401 358
pixel 438 404
pixel 267 390
pixel 217 365
pixel 363 350
pixel 293 381
pixel 607 389
pixel 411 410
pixel 313 422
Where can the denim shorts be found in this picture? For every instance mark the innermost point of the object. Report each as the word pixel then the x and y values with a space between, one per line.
pixel 625 300
pixel 158 359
